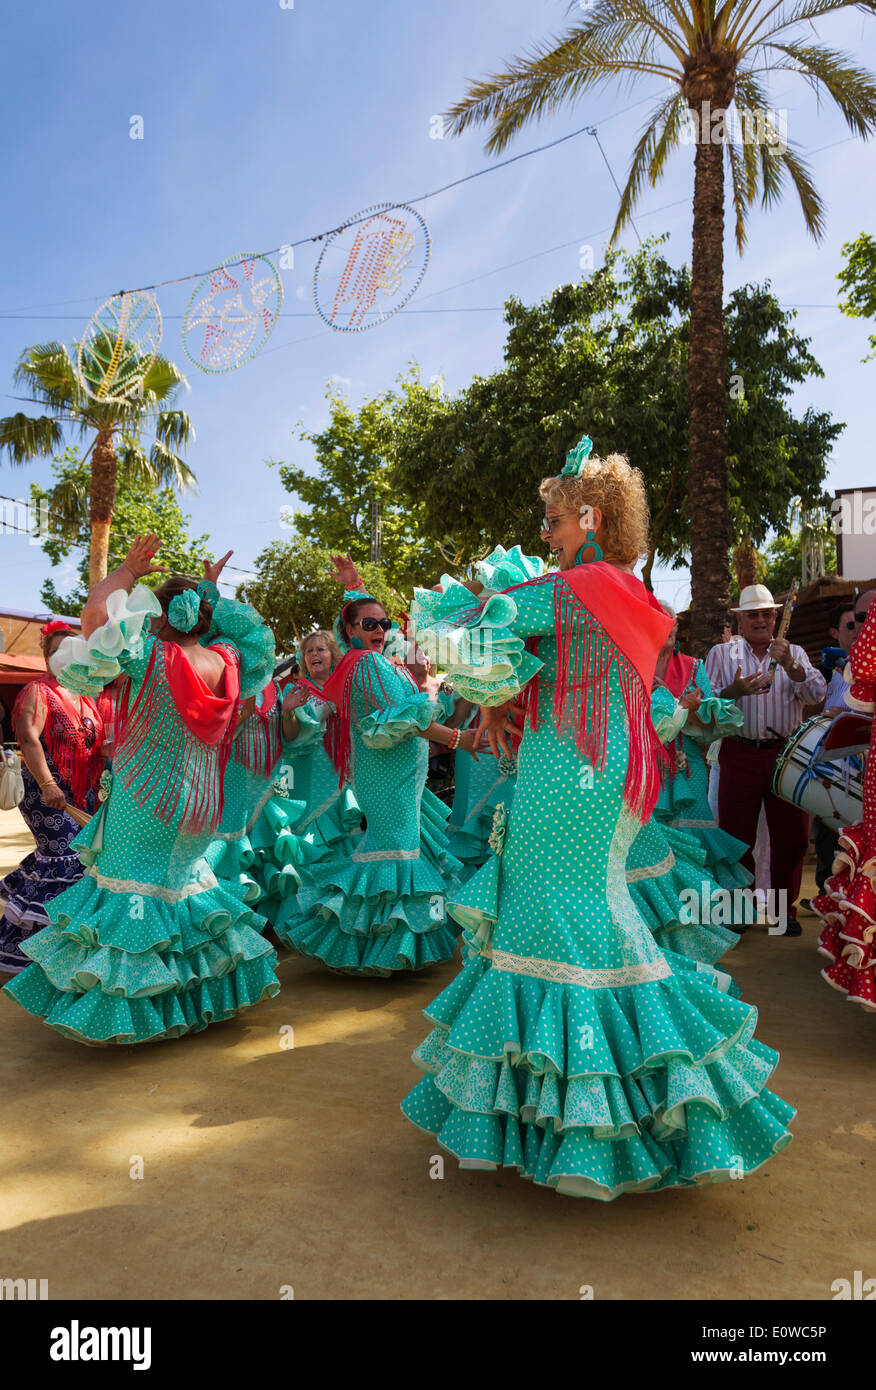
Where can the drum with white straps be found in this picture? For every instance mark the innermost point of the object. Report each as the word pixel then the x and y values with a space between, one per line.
pixel 821 768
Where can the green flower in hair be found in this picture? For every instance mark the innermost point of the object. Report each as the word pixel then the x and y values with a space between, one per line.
pixel 576 459
pixel 184 610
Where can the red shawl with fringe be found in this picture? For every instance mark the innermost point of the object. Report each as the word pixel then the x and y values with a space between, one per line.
pixel 606 618
pixel 257 744
pixel 154 751
pixel 70 744
pixel 677 677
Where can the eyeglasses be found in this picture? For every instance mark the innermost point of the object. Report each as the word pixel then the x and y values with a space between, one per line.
pixel 370 624
pixel 549 522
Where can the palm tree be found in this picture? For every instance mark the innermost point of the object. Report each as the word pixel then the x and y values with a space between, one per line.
pixel 715 55
pixel 48 373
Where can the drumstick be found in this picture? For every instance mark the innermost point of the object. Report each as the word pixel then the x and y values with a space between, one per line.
pixel 785 623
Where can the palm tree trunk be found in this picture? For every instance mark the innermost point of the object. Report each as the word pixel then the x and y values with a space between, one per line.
pixel 708 500
pixel 104 472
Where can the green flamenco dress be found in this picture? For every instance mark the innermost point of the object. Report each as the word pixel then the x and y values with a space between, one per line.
pixel 256 846
pixel 573 1048
pixel 149 944
pixel 670 884
pixel 333 818
pixel 683 803
pixel 382 909
pixel 480 786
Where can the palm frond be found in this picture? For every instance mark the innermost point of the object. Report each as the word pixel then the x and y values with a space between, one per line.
pixel 852 88
pixel 24 438
pixel 174 428
pixel 163 379
pixel 808 10
pixel 536 87
pixel 133 462
pixel 810 201
pixel 169 470
pixel 740 186
pixel 660 134
pixel 47 370
pixel 69 501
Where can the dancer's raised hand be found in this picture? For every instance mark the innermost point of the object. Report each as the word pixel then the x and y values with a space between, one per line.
pixel 213 568
pixel 140 554
pixel 345 572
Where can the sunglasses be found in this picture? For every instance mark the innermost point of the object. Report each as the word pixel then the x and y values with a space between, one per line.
pixel 860 618
pixel 369 624
pixel 847 627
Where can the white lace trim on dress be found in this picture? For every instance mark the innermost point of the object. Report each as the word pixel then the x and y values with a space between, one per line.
pixel 652 870
pixel 153 890
pixel 561 972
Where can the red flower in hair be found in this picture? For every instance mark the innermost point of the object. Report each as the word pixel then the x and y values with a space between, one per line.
pixel 57 625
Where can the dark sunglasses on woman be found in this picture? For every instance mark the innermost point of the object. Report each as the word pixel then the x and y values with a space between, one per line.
pixel 369 624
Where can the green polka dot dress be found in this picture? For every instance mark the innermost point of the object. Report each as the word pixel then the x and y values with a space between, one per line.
pixel 149 944
pixel 383 908
pixel 480 786
pixel 572 1048
pixel 683 803
pixel 256 847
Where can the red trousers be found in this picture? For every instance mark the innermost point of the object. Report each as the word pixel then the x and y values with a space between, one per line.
pixel 743 787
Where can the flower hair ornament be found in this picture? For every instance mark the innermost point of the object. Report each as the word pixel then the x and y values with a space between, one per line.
pixel 576 459
pixel 576 462
pixel 57 625
pixel 184 610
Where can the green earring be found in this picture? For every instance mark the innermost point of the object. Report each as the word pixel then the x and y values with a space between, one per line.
pixel 589 544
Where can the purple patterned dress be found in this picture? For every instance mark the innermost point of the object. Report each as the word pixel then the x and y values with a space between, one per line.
pixel 50 868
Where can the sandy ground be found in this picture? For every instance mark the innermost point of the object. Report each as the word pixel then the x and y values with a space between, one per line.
pixel 274 1160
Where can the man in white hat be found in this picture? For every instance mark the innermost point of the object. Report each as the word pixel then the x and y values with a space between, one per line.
pixel 772 708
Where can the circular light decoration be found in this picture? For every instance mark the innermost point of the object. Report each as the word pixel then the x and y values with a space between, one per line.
pixel 119 345
pixel 232 313
pixel 371 267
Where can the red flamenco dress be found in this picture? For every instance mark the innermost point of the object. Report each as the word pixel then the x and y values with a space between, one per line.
pixel 848 904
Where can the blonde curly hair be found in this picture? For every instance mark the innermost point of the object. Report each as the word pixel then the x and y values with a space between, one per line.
pixel 325 636
pixel 618 490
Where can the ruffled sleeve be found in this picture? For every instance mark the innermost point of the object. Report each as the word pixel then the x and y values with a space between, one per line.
pixel 720 718
pixel 504 568
pixel 475 642
pixel 121 645
pixel 240 626
pixel 311 727
pixel 386 705
pixel 667 715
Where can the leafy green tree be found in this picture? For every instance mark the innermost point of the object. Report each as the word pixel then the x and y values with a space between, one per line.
pixel 714 56
pixel 609 357
pixel 352 456
pixel 295 593
pixel 858 279
pixel 116 455
pixel 139 508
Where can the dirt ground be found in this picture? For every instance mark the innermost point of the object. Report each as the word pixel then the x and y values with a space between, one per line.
pixel 250 1160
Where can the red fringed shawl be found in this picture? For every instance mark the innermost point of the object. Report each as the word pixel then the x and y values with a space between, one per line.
pixel 339 690
pixel 677 678
pixel 606 618
pixel 65 737
pixel 177 736
pixel 257 744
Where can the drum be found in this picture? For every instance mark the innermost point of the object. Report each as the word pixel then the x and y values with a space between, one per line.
pixel 823 781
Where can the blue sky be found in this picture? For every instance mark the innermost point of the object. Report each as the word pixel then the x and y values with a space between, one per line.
pixel 264 124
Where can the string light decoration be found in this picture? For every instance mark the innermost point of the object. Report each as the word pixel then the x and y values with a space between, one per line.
pixel 119 345
pixel 383 250
pixel 232 313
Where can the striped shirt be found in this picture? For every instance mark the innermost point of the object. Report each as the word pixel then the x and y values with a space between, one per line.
pixel 775 713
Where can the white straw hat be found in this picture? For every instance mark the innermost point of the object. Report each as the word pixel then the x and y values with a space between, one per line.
pixel 754 596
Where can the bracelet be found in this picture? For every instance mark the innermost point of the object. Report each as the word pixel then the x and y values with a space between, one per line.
pixel 49 782
pixel 455 739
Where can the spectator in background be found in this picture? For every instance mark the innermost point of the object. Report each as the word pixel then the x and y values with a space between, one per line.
pixel 772 707
pixel 851 623
pixel 841 629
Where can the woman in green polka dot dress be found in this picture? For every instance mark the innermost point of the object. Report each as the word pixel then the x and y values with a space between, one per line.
pixel 700 719
pixel 572 1048
pixel 333 817
pixel 149 944
pixel 384 908
pixel 256 847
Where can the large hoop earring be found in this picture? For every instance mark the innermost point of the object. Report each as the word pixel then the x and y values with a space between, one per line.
pixel 589 544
